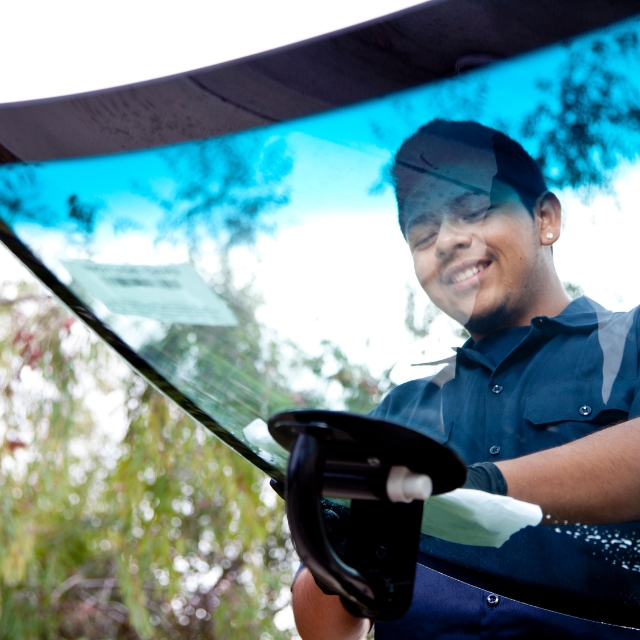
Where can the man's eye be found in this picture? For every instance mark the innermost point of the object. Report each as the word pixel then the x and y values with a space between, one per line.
pixel 476 216
pixel 425 240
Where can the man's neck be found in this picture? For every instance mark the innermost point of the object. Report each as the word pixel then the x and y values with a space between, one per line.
pixel 549 301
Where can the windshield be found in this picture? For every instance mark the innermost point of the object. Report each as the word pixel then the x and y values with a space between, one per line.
pixel 270 270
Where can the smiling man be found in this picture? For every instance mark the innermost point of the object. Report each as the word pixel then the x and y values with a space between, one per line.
pixel 479 222
pixel 526 399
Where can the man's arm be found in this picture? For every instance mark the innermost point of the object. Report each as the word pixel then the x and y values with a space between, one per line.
pixel 593 480
pixel 322 617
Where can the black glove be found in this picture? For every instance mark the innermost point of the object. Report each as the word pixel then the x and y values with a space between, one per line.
pixel 485 476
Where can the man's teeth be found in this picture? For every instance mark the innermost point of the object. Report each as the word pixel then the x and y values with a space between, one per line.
pixel 467 273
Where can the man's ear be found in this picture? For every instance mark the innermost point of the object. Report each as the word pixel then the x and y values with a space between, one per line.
pixel 548 218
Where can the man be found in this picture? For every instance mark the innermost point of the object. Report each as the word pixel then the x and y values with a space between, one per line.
pixel 527 398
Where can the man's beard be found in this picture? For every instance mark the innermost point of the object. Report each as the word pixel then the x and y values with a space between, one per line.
pixel 494 320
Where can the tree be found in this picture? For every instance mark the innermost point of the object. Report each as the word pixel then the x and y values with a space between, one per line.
pixel 589 121
pixel 247 371
pixel 165 533
pixel 222 188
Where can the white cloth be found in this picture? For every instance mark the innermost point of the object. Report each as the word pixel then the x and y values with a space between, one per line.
pixel 472 517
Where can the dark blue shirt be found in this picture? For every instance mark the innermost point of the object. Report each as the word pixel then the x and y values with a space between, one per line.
pixel 521 391
pixel 497 346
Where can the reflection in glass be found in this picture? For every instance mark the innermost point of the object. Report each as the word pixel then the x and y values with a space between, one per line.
pixel 287 240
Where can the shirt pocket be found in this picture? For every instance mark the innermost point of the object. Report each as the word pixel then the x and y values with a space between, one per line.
pixel 578 403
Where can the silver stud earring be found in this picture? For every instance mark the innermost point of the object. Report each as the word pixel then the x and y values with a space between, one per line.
pixel 550 236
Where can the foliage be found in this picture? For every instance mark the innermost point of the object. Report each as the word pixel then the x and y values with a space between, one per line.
pixel 336 377
pixel 573 290
pixel 581 125
pixel 246 371
pixel 418 327
pixel 17 187
pixel 240 178
pixel 159 531
pixel 589 120
pixel 222 189
pixel 232 372
pixel 164 533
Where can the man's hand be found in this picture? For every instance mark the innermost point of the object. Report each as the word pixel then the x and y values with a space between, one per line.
pixel 322 617
pixel 593 480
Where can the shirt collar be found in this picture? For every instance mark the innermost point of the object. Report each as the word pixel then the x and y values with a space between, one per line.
pixel 581 313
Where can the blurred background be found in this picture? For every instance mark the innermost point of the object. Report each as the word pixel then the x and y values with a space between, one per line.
pixel 120 517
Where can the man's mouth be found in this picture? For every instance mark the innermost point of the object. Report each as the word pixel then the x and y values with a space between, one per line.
pixel 467 273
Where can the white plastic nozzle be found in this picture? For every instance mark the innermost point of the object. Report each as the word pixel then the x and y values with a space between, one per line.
pixel 405 486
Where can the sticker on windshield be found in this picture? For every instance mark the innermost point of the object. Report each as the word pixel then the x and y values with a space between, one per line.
pixel 170 293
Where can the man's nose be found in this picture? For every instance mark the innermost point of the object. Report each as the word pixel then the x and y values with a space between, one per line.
pixel 451 236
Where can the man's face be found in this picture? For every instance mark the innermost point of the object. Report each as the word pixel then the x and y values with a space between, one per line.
pixel 474 244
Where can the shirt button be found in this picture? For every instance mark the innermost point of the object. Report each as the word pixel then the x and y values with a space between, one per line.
pixel 584 410
pixel 494 450
pixel 497 388
pixel 493 600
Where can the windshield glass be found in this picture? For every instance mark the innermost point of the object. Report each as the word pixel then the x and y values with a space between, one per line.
pixel 271 270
